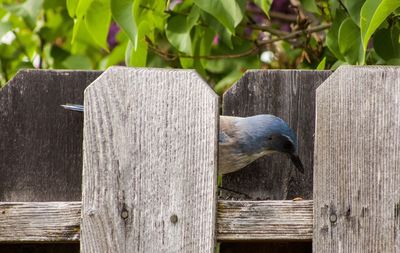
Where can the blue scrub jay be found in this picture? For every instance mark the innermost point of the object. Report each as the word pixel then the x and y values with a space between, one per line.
pixel 244 140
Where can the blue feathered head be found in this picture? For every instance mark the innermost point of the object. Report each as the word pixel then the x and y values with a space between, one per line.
pixel 267 133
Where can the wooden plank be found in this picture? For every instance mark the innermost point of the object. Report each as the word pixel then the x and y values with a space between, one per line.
pixel 236 220
pixel 40 142
pixel 289 94
pixel 39 248
pixel 149 163
pixel 264 220
pixel 357 161
pixel 39 222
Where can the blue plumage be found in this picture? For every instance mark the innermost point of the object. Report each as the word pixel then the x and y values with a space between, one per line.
pixel 244 140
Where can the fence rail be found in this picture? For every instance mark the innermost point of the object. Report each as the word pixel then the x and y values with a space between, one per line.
pixel 57 222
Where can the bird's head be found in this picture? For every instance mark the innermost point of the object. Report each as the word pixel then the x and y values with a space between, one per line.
pixel 266 133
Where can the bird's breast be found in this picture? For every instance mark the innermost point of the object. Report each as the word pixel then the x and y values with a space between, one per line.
pixel 231 159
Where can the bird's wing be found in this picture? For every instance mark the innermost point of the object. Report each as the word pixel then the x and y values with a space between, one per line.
pixel 227 130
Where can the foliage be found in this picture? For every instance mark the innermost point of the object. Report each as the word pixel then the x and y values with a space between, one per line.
pixel 220 39
pixel 356 22
pixel 38 34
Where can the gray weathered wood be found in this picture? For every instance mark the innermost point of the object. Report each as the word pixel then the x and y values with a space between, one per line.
pixel 40 142
pixel 236 221
pixel 264 220
pixel 289 94
pixel 149 163
pixel 39 222
pixel 357 161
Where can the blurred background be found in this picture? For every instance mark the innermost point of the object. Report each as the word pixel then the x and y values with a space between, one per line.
pixel 220 39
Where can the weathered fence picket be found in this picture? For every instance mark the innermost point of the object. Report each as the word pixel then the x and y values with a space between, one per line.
pixel 41 144
pixel 149 162
pixel 357 161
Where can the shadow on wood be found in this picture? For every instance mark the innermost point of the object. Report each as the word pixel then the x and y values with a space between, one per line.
pixel 41 143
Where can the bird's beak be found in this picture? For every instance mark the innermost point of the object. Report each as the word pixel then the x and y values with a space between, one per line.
pixel 297 162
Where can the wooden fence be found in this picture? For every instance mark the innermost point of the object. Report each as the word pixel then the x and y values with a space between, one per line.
pixel 149 163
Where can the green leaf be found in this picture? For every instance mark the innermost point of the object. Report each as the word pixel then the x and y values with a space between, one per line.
pixel 224 34
pixel 71 7
pixel 321 65
pixel 5 27
pixel 82 8
pixel 228 12
pixel 353 7
pixel 311 6
pixel 181 7
pixel 394 61
pixel 350 42
pixel 193 16
pixel 337 64
pixel 117 55
pixel 205 44
pixel 373 13
pixel 29 11
pixel 227 81
pixel 77 62
pixel 265 5
pixel 332 36
pixel 203 37
pixel 178 33
pixel 386 43
pixel 122 12
pixel 77 27
pixel 98 20
pixel 136 57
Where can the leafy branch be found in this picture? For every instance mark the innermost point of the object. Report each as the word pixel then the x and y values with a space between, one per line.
pixel 253 50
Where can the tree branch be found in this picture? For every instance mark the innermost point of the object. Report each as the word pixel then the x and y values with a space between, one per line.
pixel 297 34
pixel 283 16
pixel 268 29
pixel 171 57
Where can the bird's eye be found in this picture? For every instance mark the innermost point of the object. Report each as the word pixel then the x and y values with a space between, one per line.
pixel 270 138
pixel 288 145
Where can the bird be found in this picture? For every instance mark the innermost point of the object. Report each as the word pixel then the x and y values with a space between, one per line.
pixel 243 140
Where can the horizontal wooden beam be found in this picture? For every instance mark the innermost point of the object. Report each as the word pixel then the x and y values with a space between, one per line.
pixel 40 221
pixel 265 220
pixel 236 221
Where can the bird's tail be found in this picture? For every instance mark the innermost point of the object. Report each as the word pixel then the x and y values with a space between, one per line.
pixel 73 107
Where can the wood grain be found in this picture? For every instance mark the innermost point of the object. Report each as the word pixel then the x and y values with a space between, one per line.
pixel 357 161
pixel 40 142
pixel 59 222
pixel 39 222
pixel 149 164
pixel 264 220
pixel 289 94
